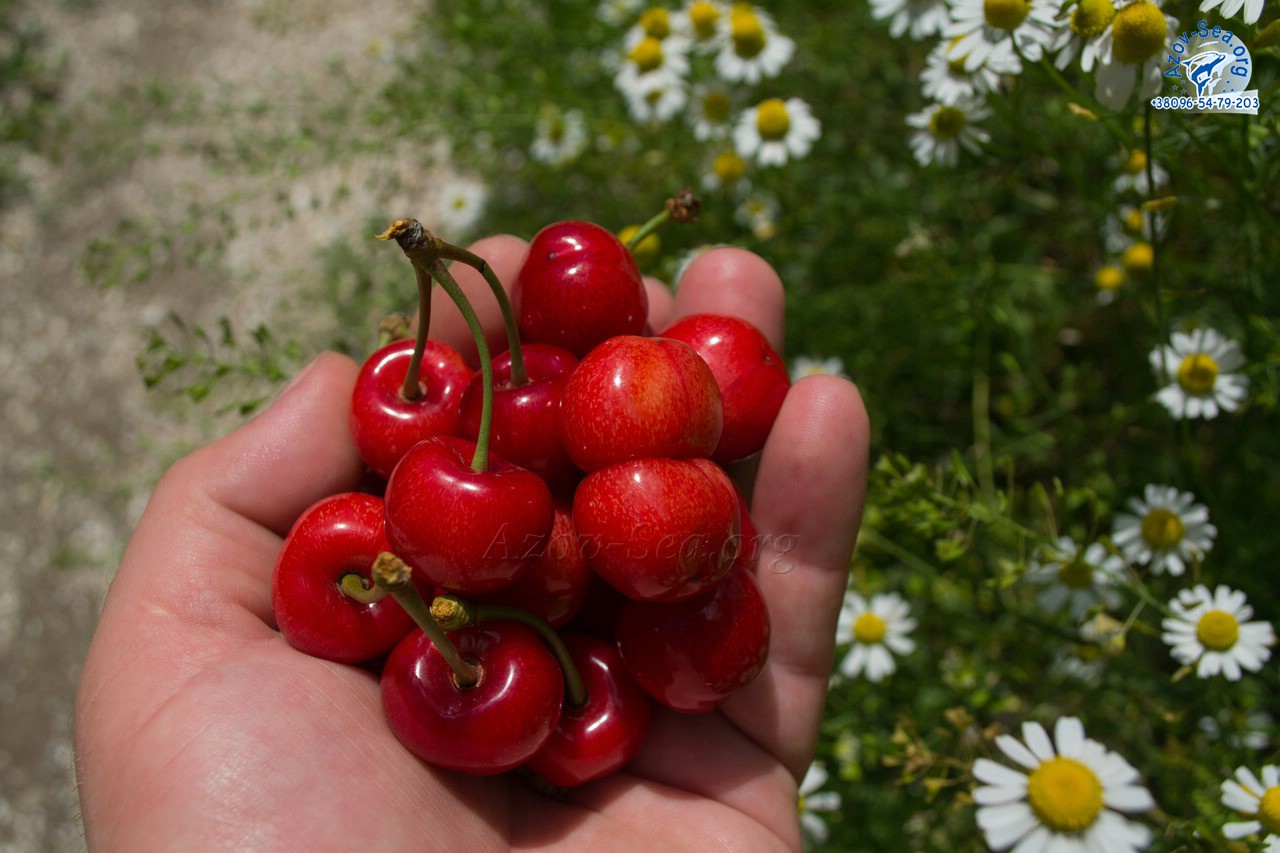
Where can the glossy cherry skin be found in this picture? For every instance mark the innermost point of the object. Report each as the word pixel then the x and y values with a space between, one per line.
pixel 384 424
pixel 752 379
pixel 461 530
pixel 578 286
pixel 634 398
pixel 526 418
pixel 337 536
pixel 658 528
pixel 555 586
pixel 692 655
pixel 487 728
pixel 602 735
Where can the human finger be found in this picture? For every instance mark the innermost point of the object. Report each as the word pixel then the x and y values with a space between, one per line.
pixel 505 254
pixel 735 282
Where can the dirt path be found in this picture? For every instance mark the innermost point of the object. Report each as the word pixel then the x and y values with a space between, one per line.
pixel 205 129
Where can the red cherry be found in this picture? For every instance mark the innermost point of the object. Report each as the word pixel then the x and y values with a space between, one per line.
pixel 658 528
pixel 603 735
pixel 489 727
pixel 751 377
pixel 634 397
pixel 335 537
pixel 465 531
pixel 579 285
pixel 384 424
pixel 693 655
pixel 526 418
pixel 555 586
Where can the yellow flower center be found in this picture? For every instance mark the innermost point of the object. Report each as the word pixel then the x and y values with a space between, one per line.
pixel 655 23
pixel 1162 529
pixel 1134 220
pixel 1005 14
pixel 1091 17
pixel 729 167
pixel 1197 373
pixel 1269 810
pixel 800 804
pixel 868 629
pixel 1138 32
pixel 1217 630
pixel 1108 277
pixel 555 132
pixel 746 30
pixel 947 122
pixel 1064 794
pixel 1138 258
pixel 1076 574
pixel 647 55
pixel 647 250
pixel 1136 163
pixel 772 120
pixel 715 106
pixel 704 17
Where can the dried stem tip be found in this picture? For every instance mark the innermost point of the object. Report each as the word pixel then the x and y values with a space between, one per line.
pixel 684 206
pixel 390 571
pixel 451 612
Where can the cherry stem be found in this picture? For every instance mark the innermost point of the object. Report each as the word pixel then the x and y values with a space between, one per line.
pixel 448 251
pixel 683 207
pixel 394 575
pixel 359 588
pixel 410 235
pixel 480 461
pixel 454 612
pixel 425 251
pixel 393 327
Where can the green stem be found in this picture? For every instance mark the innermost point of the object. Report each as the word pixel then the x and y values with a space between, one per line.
pixel 981 399
pixel 411 390
pixel 1162 332
pixel 456 612
pixel 394 575
pixel 359 588
pixel 448 251
pixel 654 223
pixel 480 461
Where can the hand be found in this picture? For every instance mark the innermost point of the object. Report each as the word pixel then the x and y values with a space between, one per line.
pixel 199 727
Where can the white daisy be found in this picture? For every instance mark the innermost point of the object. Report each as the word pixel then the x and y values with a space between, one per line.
pixel 651 66
pixel 704 24
pixel 811 801
pixel 1070 799
pixel 1252 8
pixel 947 81
pixel 944 128
pixel 1129 224
pixel 1166 530
pixel 759 212
pixel 657 23
pixel 920 18
pixel 1084 34
pixel 1079 579
pixel 1107 280
pixel 1198 368
pixel 658 105
pixel 1257 798
pixel 755 49
pixel 462 203
pixel 727 171
pixel 805 366
pixel 559 137
pixel 710 113
pixel 1208 629
pixel 983 29
pixel 1131 48
pixel 1133 175
pixel 875 629
pixel 775 131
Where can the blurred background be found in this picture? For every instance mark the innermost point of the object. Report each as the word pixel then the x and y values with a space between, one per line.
pixel 187 198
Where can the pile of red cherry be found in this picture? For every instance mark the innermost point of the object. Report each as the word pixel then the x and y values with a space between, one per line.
pixel 563 510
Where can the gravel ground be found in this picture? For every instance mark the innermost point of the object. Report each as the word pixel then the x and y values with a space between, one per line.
pixel 183 119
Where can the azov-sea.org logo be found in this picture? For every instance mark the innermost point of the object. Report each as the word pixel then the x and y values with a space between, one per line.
pixel 1210 69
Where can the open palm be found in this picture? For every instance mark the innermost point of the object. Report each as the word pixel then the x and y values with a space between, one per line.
pixel 199 727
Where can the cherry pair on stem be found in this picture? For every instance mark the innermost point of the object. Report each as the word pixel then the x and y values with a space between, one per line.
pixel 197 725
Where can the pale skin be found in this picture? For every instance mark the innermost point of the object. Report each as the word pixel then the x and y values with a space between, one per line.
pixel 198 727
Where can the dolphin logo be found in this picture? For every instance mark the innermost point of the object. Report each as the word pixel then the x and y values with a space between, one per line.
pixel 1205 69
